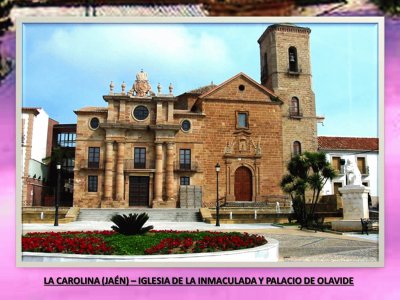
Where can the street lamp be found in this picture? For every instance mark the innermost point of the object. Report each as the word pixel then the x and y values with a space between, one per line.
pixel 217 169
pixel 58 193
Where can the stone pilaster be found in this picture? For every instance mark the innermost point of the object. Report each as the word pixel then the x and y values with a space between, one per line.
pixel 108 180
pixel 159 113
pixel 120 172
pixel 170 172
pixel 158 178
pixel 122 111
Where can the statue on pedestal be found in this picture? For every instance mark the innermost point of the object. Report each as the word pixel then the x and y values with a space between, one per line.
pixel 353 174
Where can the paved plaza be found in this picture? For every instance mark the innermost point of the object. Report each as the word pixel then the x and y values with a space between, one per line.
pixel 294 245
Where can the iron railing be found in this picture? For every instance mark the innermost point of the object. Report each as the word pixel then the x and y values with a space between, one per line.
pixel 186 167
pixel 130 164
pixel 295 112
pixel 89 164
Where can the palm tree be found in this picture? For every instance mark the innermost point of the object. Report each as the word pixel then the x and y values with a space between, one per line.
pixel 306 172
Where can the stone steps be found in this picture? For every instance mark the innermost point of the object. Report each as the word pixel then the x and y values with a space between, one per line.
pixel 164 214
pixel 251 205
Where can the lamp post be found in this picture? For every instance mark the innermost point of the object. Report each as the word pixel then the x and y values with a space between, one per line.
pixel 217 169
pixel 58 193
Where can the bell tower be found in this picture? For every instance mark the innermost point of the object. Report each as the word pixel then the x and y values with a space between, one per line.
pixel 286 70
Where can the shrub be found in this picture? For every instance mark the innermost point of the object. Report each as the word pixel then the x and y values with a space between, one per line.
pixel 307 172
pixel 131 224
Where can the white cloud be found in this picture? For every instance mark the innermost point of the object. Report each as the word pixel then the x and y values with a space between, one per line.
pixel 128 48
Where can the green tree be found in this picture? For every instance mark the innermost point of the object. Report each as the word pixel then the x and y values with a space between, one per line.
pixel 5 21
pixel 389 6
pixel 307 174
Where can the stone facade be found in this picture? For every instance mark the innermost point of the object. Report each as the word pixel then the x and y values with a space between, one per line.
pixel 139 149
pixel 290 81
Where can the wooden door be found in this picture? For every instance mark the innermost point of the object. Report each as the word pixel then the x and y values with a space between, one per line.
pixel 339 201
pixel 138 191
pixel 243 184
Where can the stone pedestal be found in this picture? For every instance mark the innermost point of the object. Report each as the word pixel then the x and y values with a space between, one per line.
pixel 355 207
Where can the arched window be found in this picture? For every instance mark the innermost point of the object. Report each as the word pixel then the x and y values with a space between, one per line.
pixel 294 107
pixel 293 65
pixel 296 148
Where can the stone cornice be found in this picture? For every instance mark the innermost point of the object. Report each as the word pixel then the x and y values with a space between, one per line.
pixel 276 102
pixel 284 27
pixel 189 114
pixel 123 126
pixel 165 127
pixel 128 98
pixel 238 155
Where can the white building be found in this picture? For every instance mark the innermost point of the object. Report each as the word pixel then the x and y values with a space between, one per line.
pixel 36 140
pixel 363 152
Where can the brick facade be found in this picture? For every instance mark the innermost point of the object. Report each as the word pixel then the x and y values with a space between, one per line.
pixel 240 124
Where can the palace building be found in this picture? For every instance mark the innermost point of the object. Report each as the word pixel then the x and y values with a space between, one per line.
pixel 144 147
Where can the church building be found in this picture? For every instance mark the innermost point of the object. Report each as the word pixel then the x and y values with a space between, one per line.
pixel 144 145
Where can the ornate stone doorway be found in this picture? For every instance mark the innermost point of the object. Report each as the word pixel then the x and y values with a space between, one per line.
pixel 243 184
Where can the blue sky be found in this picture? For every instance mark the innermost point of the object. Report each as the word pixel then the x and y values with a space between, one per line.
pixel 69 66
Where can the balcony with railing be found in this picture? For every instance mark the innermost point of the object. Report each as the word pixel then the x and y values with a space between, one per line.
pixel 92 165
pixel 294 70
pixel 365 171
pixel 186 167
pixel 341 171
pixel 131 164
pixel 295 112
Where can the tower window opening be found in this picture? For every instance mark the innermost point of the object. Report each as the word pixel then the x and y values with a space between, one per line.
pixel 294 107
pixel 293 65
pixel 296 148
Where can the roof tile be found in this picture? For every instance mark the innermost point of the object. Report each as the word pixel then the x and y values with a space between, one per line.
pixel 347 143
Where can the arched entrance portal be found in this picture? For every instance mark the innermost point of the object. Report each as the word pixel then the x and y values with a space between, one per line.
pixel 243 184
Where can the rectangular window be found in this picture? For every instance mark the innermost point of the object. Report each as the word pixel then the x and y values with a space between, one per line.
pixel 68 164
pixel 94 157
pixel 242 120
pixel 361 165
pixel 185 159
pixel 336 163
pixel 66 139
pixel 92 183
pixel 185 180
pixel 140 158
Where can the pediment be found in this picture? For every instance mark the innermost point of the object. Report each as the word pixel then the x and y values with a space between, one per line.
pixel 240 87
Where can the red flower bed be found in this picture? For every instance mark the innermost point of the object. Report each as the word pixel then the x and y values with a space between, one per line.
pixel 110 242
pixel 65 242
pixel 212 243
